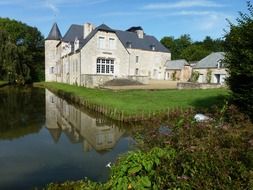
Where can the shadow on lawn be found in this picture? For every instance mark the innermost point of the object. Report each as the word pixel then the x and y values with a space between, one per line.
pixel 210 102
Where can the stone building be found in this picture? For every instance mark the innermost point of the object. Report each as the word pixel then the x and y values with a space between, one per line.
pixel 90 56
pixel 211 69
pixel 178 70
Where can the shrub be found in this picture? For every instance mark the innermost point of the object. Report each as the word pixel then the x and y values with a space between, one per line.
pixel 239 61
pixel 195 76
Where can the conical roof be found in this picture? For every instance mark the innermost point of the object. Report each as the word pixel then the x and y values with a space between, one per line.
pixel 55 33
pixel 55 133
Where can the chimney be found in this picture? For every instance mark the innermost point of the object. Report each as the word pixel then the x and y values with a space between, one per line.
pixel 87 29
pixel 140 33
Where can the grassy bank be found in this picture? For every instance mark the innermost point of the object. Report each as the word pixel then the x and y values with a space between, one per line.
pixel 3 83
pixel 137 104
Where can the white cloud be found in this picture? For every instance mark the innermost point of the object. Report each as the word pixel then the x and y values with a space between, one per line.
pixel 182 4
pixel 191 13
pixel 52 6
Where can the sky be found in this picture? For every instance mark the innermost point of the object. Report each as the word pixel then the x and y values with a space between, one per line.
pixel 199 18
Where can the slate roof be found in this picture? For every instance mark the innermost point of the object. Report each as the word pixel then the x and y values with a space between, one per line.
pixel 176 64
pixel 75 31
pixel 54 33
pixel 126 37
pixel 210 61
pixel 144 43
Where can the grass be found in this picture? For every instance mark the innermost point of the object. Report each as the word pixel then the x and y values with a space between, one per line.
pixel 136 102
pixel 3 82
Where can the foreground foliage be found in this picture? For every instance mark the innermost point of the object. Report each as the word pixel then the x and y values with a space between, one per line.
pixel 216 154
pixel 239 61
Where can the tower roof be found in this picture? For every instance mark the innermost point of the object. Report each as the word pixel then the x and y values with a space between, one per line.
pixel 55 33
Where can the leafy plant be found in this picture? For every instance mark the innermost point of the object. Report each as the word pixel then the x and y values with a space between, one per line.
pixel 194 76
pixel 138 170
pixel 209 76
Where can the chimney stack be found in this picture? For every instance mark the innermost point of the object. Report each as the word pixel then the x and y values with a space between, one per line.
pixel 88 27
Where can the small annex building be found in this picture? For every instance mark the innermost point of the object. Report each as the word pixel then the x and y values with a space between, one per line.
pixel 178 70
pixel 90 56
pixel 211 69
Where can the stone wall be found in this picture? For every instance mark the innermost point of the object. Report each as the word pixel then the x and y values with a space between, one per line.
pixel 192 85
pixel 92 81
pixel 50 60
pixel 148 63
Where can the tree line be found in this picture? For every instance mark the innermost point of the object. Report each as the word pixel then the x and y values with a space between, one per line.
pixel 184 47
pixel 21 52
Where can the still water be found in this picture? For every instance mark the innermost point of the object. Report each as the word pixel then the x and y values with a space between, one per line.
pixel 45 139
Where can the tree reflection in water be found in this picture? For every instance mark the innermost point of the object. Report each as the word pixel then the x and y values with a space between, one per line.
pixel 22 111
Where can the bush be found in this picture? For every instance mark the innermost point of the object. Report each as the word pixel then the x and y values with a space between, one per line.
pixel 239 61
pixel 195 76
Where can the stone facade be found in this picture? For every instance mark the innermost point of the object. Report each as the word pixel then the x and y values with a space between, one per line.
pixel 216 75
pixel 211 69
pixel 101 54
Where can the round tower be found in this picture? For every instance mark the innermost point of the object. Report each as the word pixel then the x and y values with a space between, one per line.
pixel 51 57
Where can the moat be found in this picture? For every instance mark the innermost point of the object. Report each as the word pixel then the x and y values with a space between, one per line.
pixel 44 139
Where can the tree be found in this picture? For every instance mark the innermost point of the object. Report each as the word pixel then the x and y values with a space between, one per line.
pixel 194 53
pixel 184 48
pixel 21 52
pixel 239 61
pixel 176 46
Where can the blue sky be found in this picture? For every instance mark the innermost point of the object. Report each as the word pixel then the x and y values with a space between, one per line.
pixel 160 18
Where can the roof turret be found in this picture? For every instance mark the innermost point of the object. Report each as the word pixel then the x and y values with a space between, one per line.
pixel 55 33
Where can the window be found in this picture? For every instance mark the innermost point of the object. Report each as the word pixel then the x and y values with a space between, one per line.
pixel 112 43
pixel 76 65
pixel 137 59
pixel 105 66
pixel 101 42
pixel 129 44
pixel 136 71
pixel 51 70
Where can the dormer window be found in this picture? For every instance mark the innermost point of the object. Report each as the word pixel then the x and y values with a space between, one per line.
pixel 129 44
pixel 152 47
pixel 219 64
pixel 76 45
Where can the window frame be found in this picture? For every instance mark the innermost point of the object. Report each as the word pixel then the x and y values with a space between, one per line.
pixel 101 42
pixel 105 66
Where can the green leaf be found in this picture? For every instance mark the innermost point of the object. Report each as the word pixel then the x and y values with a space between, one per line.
pixel 147 165
pixel 134 170
pixel 145 181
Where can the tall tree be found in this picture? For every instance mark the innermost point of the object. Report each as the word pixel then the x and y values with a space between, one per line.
pixel 184 48
pixel 176 46
pixel 239 60
pixel 21 52
pixel 194 53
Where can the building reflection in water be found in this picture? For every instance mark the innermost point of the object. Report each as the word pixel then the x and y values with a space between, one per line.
pixel 78 126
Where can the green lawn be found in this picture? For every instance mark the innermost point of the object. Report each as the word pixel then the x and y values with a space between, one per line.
pixel 133 102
